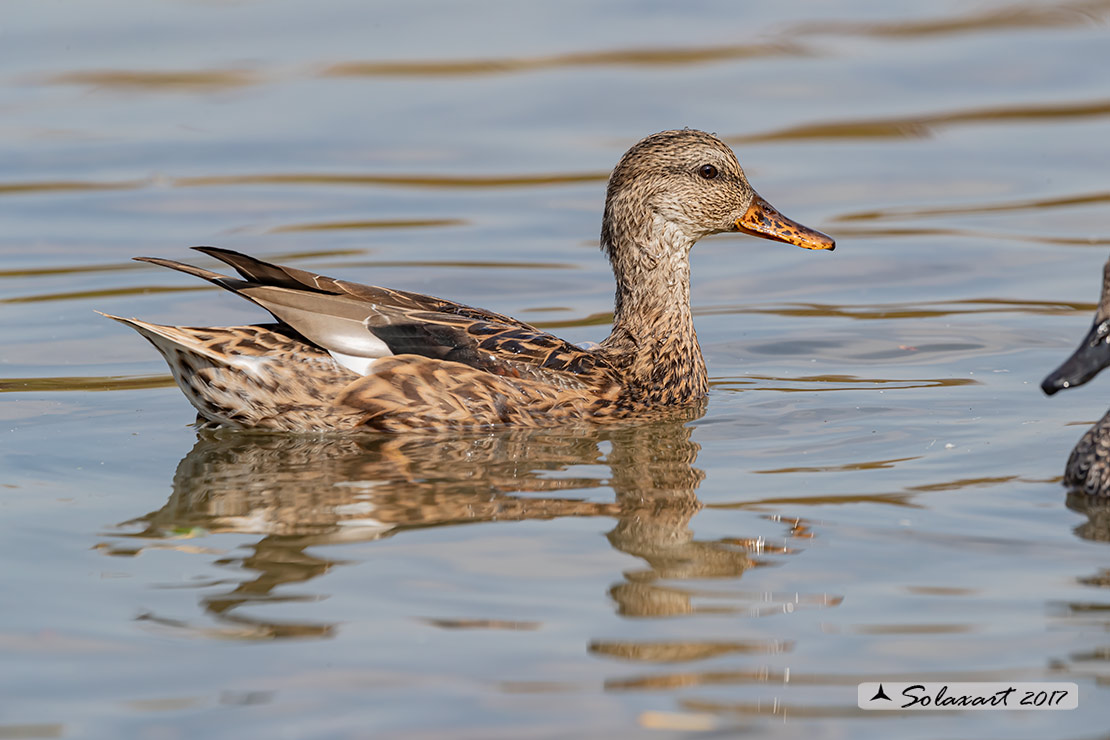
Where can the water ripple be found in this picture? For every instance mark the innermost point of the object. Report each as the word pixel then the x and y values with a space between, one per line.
pixel 917 310
pixel 433 181
pixel 1065 241
pixel 846 467
pixel 817 383
pixel 1067 201
pixel 618 57
pixel 1015 17
pixel 923 125
pixel 103 293
pixel 395 223
pixel 184 80
pixel 86 383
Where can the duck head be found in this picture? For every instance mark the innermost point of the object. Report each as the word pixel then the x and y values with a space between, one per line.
pixel 675 187
pixel 1093 353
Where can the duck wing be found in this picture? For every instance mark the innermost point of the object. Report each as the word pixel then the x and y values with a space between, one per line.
pixel 361 323
pixel 281 276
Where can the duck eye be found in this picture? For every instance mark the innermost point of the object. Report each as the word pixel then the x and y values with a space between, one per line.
pixel 707 171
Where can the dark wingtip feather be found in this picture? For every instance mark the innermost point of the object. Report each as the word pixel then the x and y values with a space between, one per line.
pixel 213 277
pixel 215 251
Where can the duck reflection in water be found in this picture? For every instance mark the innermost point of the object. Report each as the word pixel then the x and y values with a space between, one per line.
pixel 298 492
pixel 1097 511
pixel 1088 467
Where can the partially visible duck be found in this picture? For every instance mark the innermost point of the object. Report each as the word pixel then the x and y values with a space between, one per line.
pixel 1088 467
pixel 348 356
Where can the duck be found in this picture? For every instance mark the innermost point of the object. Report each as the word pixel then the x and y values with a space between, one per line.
pixel 1088 467
pixel 343 356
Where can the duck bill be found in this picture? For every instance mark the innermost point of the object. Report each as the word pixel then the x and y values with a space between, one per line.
pixel 1085 363
pixel 764 221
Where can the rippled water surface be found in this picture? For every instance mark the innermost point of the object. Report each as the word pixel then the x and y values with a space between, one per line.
pixel 872 491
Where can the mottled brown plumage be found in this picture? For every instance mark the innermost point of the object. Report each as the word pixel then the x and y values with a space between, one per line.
pixel 349 356
pixel 1088 467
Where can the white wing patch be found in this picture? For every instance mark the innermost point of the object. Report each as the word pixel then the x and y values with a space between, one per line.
pixel 360 365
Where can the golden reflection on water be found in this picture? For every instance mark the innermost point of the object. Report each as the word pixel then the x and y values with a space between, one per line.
pixel 62 186
pixel 1011 16
pixel 916 310
pixel 972 234
pixel 184 80
pixel 85 383
pixel 68 270
pixel 78 295
pixel 1035 204
pixel 846 467
pixel 924 125
pixel 683 652
pixel 394 223
pixel 296 493
pixel 649 57
pixel 812 383
pixel 433 181
pixel 902 498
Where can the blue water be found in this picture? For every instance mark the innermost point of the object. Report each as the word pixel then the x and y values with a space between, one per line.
pixel 872 492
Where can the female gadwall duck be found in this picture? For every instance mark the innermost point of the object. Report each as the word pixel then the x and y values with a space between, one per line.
pixel 1088 466
pixel 347 356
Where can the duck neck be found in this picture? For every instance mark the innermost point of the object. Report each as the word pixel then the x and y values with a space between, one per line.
pixel 653 339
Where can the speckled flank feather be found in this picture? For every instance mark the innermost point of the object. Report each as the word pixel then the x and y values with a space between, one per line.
pixel 348 356
pixel 254 376
pixel 1088 467
pixel 398 396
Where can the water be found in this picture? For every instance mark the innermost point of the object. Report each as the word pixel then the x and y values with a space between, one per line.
pixel 872 491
